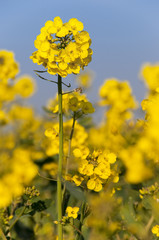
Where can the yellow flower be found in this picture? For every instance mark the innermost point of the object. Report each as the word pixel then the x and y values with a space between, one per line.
pixel 72 212
pixel 111 158
pixel 77 180
pixel 87 107
pixel 150 74
pixel 85 79
pixel 21 113
pixel 75 25
pixel 73 104
pixel 51 168
pixel 51 133
pixel 103 170
pixel 58 22
pixel 155 230
pixel 145 104
pixel 82 37
pixel 94 184
pixel 62 32
pixel 106 156
pixel 85 168
pixel 25 86
pixel 8 66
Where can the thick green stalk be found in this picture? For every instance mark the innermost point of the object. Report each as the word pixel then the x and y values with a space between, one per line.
pixel 59 175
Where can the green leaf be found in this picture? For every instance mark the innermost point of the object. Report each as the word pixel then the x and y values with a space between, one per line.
pixel 75 191
pixel 40 206
pixel 20 209
pixel 147 202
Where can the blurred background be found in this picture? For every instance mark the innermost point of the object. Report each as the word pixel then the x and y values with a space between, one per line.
pixel 125 35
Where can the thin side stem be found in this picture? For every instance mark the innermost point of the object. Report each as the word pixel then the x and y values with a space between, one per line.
pixel 148 226
pixel 16 220
pixel 79 236
pixel 76 229
pixel 70 139
pixel 59 175
pixel 66 195
pixel 2 235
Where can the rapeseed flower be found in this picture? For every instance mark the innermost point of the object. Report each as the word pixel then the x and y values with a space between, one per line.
pixel 8 66
pixel 150 74
pixel 155 230
pixel 63 48
pixel 72 212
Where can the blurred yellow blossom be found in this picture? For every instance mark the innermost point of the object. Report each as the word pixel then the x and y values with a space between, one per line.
pixel 150 74
pixel 8 66
pixel 25 86
pixel 155 230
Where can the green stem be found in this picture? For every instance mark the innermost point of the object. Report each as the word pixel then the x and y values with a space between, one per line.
pixel 148 226
pixel 76 229
pixel 79 236
pixel 2 235
pixel 59 175
pixel 16 220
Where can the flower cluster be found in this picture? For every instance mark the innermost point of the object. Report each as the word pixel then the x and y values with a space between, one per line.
pixel 20 171
pixel 50 143
pixel 8 67
pixel 9 90
pixel 136 168
pixel 117 95
pixel 152 190
pixel 31 192
pixel 95 168
pixel 21 87
pixel 63 48
pixel 17 167
pixel 5 217
pixel 73 102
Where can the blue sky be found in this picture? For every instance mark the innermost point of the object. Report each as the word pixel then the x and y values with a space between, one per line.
pixel 125 34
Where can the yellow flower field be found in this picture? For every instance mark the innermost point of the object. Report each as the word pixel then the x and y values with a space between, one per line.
pixel 62 174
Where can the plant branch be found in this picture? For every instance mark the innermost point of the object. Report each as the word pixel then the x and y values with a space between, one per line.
pixel 68 92
pixel 77 229
pixel 2 235
pixel 66 195
pixel 45 78
pixel 39 71
pixel 69 85
pixel 78 236
pixel 50 179
pixel 70 139
pixel 21 213
pixel 147 227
